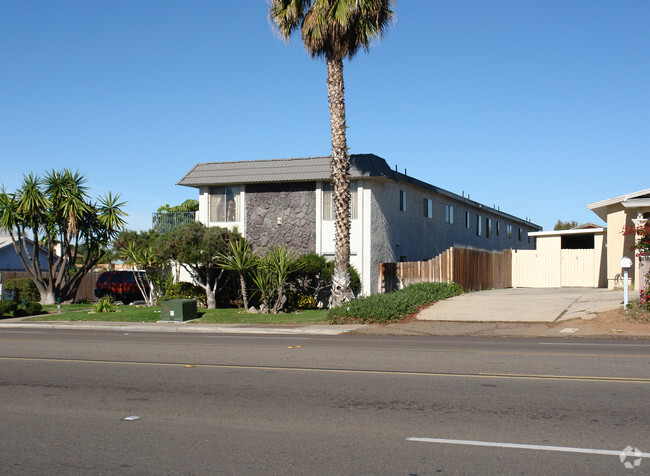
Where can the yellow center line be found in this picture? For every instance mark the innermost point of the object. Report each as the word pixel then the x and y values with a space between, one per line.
pixel 571 378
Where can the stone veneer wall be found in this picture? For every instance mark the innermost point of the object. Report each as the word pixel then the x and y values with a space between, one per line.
pixel 294 204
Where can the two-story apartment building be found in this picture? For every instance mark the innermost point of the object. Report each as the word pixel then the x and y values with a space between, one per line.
pixel 394 217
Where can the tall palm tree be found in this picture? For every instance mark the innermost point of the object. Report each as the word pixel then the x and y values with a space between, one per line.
pixel 335 30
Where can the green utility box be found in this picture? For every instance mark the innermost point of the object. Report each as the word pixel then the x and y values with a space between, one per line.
pixel 178 310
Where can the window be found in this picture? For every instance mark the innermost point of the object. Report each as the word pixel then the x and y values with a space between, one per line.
pixel 466 219
pixel 488 227
pixel 449 214
pixel 509 231
pixel 224 204
pixel 521 234
pixel 328 201
pixel 427 208
pixel 498 228
pixel 402 200
pixel 478 225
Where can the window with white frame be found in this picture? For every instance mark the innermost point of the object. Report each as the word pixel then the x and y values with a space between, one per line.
pixel 225 204
pixel 449 214
pixel 427 208
pixel 402 200
pixel 328 201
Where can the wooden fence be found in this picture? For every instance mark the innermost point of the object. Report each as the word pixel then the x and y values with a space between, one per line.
pixel 86 288
pixel 473 269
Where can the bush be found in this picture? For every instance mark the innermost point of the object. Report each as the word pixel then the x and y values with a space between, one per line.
pixel 394 306
pixel 33 308
pixel 105 304
pixel 7 307
pixel 299 301
pixel 25 289
pixel 314 276
pixel 183 290
pixel 29 309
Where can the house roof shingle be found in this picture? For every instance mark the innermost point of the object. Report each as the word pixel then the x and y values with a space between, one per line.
pixel 280 170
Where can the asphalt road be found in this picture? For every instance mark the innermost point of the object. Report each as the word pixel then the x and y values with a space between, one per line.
pixel 235 404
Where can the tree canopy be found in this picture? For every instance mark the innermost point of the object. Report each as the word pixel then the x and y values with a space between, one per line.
pixel 51 220
pixel 565 225
pixel 197 249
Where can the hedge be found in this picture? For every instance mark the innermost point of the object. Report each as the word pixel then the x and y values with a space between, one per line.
pixel 393 306
pixel 25 289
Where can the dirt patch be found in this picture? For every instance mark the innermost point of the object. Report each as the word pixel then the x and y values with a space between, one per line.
pixel 614 321
pixel 605 324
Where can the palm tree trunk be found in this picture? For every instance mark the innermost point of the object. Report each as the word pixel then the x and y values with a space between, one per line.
pixel 244 295
pixel 341 182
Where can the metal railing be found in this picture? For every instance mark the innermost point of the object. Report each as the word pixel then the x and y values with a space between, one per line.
pixel 166 221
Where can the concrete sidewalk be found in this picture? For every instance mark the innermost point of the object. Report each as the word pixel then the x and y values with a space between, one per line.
pixel 181 327
pixel 524 305
pixel 564 312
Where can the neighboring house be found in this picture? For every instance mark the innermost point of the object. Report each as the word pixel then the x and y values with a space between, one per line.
pixel 10 261
pixel 619 212
pixel 394 217
pixel 587 255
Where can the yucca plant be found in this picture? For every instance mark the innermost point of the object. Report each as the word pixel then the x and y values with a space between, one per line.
pixel 242 260
pixel 271 276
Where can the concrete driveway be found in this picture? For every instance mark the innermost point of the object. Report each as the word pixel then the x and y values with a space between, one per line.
pixel 524 305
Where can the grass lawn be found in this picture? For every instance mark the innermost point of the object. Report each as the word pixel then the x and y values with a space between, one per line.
pixel 81 312
pixel 233 316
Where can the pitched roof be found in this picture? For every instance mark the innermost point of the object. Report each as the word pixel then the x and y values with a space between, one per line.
pixel 4 241
pixel 280 170
pixel 309 169
pixel 600 208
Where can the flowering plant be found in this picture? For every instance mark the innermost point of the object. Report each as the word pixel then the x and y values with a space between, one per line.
pixel 642 244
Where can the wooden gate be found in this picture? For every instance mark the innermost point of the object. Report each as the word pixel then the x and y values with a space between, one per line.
pixel 556 268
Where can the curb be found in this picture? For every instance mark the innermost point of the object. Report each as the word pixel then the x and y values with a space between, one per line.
pixel 195 329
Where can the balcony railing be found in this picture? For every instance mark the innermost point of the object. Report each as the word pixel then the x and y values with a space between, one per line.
pixel 166 221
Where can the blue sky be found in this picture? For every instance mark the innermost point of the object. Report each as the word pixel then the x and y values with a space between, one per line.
pixel 538 107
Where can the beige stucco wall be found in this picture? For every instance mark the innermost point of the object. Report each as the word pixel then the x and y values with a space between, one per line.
pixel 618 245
pixel 549 243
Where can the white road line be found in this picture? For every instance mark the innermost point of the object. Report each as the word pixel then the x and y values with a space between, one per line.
pixel 571 344
pixel 565 449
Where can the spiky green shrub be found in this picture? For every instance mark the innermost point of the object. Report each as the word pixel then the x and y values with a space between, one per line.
pixel 394 306
pixel 105 304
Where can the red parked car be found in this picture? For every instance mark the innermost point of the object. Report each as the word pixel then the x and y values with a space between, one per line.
pixel 121 285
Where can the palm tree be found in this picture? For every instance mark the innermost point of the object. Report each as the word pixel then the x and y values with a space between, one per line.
pixel 335 29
